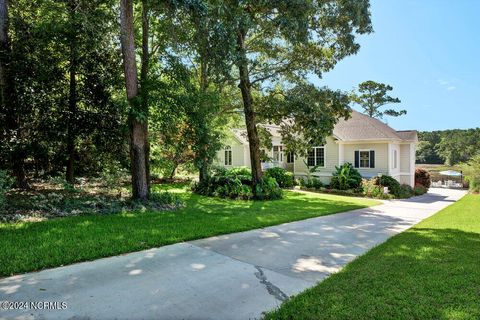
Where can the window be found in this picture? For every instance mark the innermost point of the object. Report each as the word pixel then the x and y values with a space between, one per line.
pixel 316 157
pixel 228 156
pixel 394 159
pixel 364 159
pixel 278 153
pixel 290 157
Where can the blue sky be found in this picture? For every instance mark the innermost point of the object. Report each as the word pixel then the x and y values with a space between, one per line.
pixel 429 51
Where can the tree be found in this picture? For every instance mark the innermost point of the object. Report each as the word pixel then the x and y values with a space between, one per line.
pixel 372 96
pixel 138 119
pixel 9 104
pixel 458 145
pixel 306 114
pixel 425 152
pixel 289 40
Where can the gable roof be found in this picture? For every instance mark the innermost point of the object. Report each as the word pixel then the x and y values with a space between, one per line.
pixel 359 127
pixel 363 127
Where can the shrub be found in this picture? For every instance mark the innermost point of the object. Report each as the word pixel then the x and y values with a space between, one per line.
pixel 236 184
pixel 371 188
pixel 472 173
pixel 422 177
pixel 390 182
pixel 268 189
pixel 419 189
pixel 474 184
pixel 311 183
pixel 405 191
pixel 6 182
pixel 346 177
pixel 284 178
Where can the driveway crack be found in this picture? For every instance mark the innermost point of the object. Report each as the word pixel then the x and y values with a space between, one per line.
pixel 271 288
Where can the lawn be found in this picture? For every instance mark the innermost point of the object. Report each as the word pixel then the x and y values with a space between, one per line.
pixel 29 246
pixel 431 271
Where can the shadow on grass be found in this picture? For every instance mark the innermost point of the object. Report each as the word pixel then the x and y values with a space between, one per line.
pixel 420 274
pixel 33 246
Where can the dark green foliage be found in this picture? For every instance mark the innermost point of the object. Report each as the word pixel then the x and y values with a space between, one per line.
pixel 390 182
pixel 284 178
pixel 268 189
pixel 405 191
pixel 419 190
pixel 6 182
pixel 422 177
pixel 236 183
pixel 47 38
pixel 346 177
pixel 448 146
pixel 372 96
pixel 311 183
pixel 315 112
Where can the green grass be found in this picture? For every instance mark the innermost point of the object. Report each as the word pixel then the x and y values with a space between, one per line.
pixel 431 271
pixel 32 246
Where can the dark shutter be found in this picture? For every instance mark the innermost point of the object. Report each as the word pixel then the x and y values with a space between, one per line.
pixel 372 159
pixel 357 159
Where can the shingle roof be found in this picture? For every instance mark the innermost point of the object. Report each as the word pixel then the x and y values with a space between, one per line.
pixel 359 127
pixel 363 127
pixel 408 135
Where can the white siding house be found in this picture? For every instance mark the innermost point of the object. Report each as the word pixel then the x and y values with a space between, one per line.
pixel 369 144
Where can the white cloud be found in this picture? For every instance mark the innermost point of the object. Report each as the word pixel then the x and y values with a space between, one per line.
pixel 450 88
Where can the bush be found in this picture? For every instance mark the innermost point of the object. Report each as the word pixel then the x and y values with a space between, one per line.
pixel 6 183
pixel 311 183
pixel 419 189
pixel 346 177
pixel 284 178
pixel 236 184
pixel 422 177
pixel 371 188
pixel 268 189
pixel 474 184
pixel 405 191
pixel 390 182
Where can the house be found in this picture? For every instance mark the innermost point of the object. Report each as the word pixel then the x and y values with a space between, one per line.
pixel 370 145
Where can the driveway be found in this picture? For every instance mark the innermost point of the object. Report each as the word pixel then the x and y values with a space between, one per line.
pixel 236 276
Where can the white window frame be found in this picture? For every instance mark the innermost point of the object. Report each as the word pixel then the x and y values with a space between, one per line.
pixel 360 158
pixel 279 153
pixel 228 159
pixel 315 150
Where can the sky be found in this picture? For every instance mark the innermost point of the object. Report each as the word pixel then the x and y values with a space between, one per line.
pixel 429 52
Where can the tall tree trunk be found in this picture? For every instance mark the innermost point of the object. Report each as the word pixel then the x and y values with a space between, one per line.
pixel 250 117
pixel 144 79
pixel 72 96
pixel 9 100
pixel 138 129
pixel 204 161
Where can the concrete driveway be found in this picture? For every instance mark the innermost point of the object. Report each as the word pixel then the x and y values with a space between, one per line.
pixel 236 276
